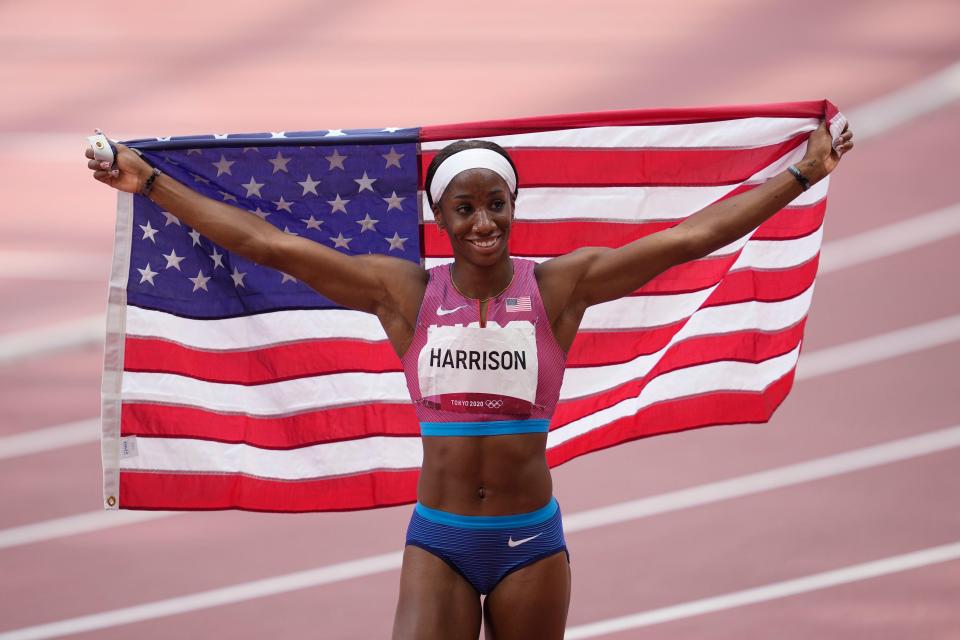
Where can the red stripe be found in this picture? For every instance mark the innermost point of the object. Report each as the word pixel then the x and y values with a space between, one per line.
pixel 615 167
pixel 321 357
pixel 191 491
pixel 256 366
pixel 679 415
pixel 557 237
pixel 743 347
pixel 808 109
pixel 285 432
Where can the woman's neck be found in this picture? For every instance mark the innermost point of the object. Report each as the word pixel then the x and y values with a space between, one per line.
pixel 481 283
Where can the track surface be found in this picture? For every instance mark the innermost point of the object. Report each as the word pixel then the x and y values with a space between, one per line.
pixel 305 65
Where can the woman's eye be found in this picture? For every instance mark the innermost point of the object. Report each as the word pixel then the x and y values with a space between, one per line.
pixel 499 204
pixel 463 209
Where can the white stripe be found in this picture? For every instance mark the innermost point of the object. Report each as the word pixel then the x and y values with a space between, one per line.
pixel 272 399
pixel 630 204
pixel 725 134
pixel 704 378
pixel 773 591
pixel 712 321
pixel 819 468
pixel 304 463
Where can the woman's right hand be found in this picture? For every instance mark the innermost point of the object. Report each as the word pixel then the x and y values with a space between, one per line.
pixel 131 172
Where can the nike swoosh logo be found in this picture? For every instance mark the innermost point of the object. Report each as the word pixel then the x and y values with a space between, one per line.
pixel 516 543
pixel 442 312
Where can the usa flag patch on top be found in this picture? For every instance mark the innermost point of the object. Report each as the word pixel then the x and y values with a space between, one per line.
pixel 518 304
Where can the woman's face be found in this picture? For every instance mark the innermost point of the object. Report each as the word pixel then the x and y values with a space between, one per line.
pixel 476 211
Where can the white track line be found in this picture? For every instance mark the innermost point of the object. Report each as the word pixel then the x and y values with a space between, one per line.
pixel 819 468
pixel 84 331
pixel 812 365
pixel 853 573
pixel 61 266
pixel 881 115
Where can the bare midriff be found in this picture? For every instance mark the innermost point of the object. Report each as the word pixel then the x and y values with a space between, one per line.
pixel 485 475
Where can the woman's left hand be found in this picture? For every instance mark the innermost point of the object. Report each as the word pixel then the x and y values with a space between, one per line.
pixel 823 155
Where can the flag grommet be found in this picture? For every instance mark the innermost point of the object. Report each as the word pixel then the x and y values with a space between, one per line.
pixel 111 501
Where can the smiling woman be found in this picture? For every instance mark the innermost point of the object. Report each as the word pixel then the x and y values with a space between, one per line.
pixel 483 342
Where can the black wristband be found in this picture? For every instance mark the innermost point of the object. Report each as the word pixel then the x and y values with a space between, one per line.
pixel 148 185
pixel 799 176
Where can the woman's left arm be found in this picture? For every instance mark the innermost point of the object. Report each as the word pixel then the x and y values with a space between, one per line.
pixel 586 277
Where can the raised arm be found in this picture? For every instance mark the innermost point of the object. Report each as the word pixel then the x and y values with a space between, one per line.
pixel 592 275
pixel 375 284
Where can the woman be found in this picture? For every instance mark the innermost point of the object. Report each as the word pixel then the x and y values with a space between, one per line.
pixel 483 342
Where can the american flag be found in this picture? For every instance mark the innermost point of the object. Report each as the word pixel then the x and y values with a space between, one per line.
pixel 230 385
pixel 515 305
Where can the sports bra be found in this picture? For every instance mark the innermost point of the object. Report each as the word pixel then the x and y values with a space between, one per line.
pixel 468 380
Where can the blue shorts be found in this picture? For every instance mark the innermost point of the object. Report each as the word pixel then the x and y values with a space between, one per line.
pixel 485 549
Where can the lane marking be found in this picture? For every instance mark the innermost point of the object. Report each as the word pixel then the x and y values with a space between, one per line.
pixel 819 468
pixel 74 525
pixel 772 591
pixel 872 119
pixel 58 437
pixel 80 332
pixel 60 266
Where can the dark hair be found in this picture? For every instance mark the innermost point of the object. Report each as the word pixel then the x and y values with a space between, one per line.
pixel 455 147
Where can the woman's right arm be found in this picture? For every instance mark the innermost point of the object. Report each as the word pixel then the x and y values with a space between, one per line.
pixel 376 284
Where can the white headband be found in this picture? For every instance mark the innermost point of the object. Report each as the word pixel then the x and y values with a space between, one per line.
pixel 471 159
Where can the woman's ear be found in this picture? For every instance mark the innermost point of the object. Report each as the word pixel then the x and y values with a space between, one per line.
pixel 439 218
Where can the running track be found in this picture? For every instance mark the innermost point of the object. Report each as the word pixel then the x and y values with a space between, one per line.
pixel 721 533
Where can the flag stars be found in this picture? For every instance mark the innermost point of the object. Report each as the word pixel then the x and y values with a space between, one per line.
pixel 146 275
pixel 393 158
pixel 199 178
pixel 365 182
pixel 217 258
pixel 173 260
pixel 396 242
pixel 332 133
pixel 260 213
pixel 227 196
pixel 223 166
pixel 200 282
pixel 339 204
pixel 253 187
pixel 341 242
pixel 287 231
pixel 309 185
pixel 278 134
pixel 238 277
pixel 393 202
pixel 367 224
pixel 195 236
pixel 194 151
pixel 287 278
pixel 335 160
pixel 282 205
pixel 171 219
pixel 312 223
pixel 279 163
pixel 148 232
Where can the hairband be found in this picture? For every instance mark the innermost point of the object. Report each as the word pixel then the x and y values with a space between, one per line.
pixel 471 159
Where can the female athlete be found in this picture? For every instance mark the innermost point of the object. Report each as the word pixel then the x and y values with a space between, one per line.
pixel 483 343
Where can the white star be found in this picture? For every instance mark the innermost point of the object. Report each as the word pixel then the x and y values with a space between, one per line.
pixel 227 196
pixel 309 185
pixel 312 223
pixel 260 213
pixel 217 258
pixel 196 151
pixel 286 230
pixel 279 163
pixel 148 232
pixel 335 132
pixel 278 134
pixel 171 219
pixel 335 160
pixel 195 235
pixel 393 202
pixel 392 158
pixel 396 242
pixel 173 260
pixel 253 187
pixel 146 275
pixel 238 276
pixel 200 282
pixel 340 241
pixel 162 139
pixel 245 149
pixel 283 205
pixel 199 178
pixel 365 182
pixel 367 224
pixel 287 278
pixel 339 204
pixel 220 136
pixel 223 167
pixel 391 129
